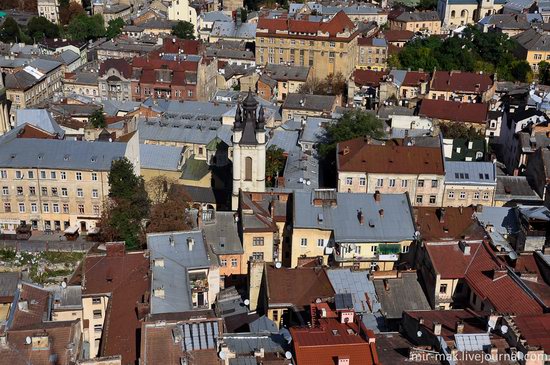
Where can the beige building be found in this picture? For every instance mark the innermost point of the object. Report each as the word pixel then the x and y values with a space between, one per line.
pixel 57 185
pixel 308 105
pixel 532 46
pixel 467 87
pixel 34 84
pixel 49 9
pixel 345 229
pixel 372 54
pixel 418 21
pixel 469 183
pixel 393 166
pixel 327 47
pixel 455 13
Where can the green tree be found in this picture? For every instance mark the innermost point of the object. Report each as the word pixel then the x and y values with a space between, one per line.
pixel 97 119
pixel 184 30
pixel 521 71
pixel 459 130
pixel 83 27
pixel 114 28
pixel 274 164
pixel 544 73
pixel 352 124
pixel 69 10
pixel 427 5
pixel 244 15
pixel 10 31
pixel 40 28
pixel 128 205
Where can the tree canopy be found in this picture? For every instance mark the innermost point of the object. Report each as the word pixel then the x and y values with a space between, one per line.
pixel 473 51
pixel 40 28
pixel 10 31
pixel 97 119
pixel 274 164
pixel 69 10
pixel 128 205
pixel 114 28
pixel 330 85
pixel 84 28
pixel 184 30
pixel 169 211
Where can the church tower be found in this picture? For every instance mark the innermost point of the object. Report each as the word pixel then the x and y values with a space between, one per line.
pixel 248 149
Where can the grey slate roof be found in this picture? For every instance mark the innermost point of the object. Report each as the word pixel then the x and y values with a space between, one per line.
pixel 470 172
pixel 213 16
pixel 404 293
pixel 40 118
pixel 58 154
pixel 301 171
pixel 309 102
pixel 533 40
pixel 396 225
pixel 8 283
pixel 183 130
pixel 514 188
pixel 504 222
pixel 418 16
pixel 178 258
pixel 230 30
pixel 223 235
pixel 157 157
pixel 286 140
pixel 285 73
pixel 70 296
pixel 247 343
pixel 314 129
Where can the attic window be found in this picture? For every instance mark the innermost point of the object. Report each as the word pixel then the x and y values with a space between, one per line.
pixel 335 333
pixel 13 155
pixel 93 159
pixel 66 157
pixel 40 155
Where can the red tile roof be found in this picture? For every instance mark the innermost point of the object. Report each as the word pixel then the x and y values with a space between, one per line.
pixel 454 111
pixel 119 64
pixel 176 45
pixel 357 155
pixel 398 35
pixel 339 23
pixel 456 224
pixel 448 260
pixel 463 82
pixel 125 276
pixel 535 330
pixel 37 300
pixel 323 346
pixel 448 319
pixel 369 77
pixel 415 78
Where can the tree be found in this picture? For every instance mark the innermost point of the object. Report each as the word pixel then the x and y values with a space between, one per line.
pixel 330 85
pixel 170 215
pixel 83 27
pixel 184 30
pixel 275 164
pixel 544 73
pixel 10 32
pixel 352 124
pixel 97 119
pixel 427 5
pixel 69 10
pixel 244 15
pixel 40 28
pixel 521 71
pixel 459 130
pixel 114 28
pixel 128 205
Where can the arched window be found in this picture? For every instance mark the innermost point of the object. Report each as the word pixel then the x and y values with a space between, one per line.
pixel 248 169
pixel 464 13
pixel 453 14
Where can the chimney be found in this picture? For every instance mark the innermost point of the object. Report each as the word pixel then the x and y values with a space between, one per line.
pixel 361 217
pixel 346 150
pixel 190 243
pixel 459 327
pixel 441 215
pixel 377 196
pixel 464 247
pixel 437 328
pixel 171 240
pixel 381 212
pixel 199 218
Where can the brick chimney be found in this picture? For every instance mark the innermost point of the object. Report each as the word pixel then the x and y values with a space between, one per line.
pixel 459 327
pixel 377 196
pixel 437 328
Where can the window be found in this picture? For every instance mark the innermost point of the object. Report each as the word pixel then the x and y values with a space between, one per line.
pixel 349 180
pixel 95 193
pixel 97 313
pixel 45 208
pixel 332 44
pixel 420 183
pixel 357 249
pixel 234 262
pixel 485 196
pixel 419 199
pixel 476 195
pixel 362 181
pixel 21 207
pixel 19 190
pixel 34 208
pixel 392 183
pixel 7 207
pixel 44 190
pixel 79 176
pixel 65 208
pixel 257 241
pixel 320 242
pixel 79 193
pixel 81 208
pixel 64 192
pixel 462 195
pixel 42 174
pixel 248 169
pixel 18 175
pixel 53 175
pixel 55 208
pixel 63 175
pixel 404 183
pixel 94 176
pixel 405 249
pixel 379 183
pixel 303 242
pixel 434 183
pixel 98 328
pixel 30 174
pixel 373 249
pixel 257 256
pixel 432 199
pixel 223 262
pixel 443 289
pixel 96 300
pixel 54 191
pixel 3 174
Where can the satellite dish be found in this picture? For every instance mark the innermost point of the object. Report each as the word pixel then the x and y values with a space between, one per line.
pixel 278 265
pixel 63 284
pixel 492 323
pixel 504 328
pixel 246 302
pixel 318 300
pixel 288 355
pixel 419 334
pixel 28 340
pixel 222 355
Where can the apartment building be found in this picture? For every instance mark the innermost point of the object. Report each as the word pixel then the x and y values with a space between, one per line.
pixel 53 184
pixel 115 80
pixel 34 84
pixel 372 54
pixel 49 9
pixel 413 166
pixel 328 47
pixel 471 87
pixel 469 183
pixel 418 21
pixel 533 47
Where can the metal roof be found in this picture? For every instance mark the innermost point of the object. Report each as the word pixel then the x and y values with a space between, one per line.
pixel 470 172
pixel 222 234
pixel 40 118
pixel 247 343
pixel 283 139
pixel 357 284
pixel 158 157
